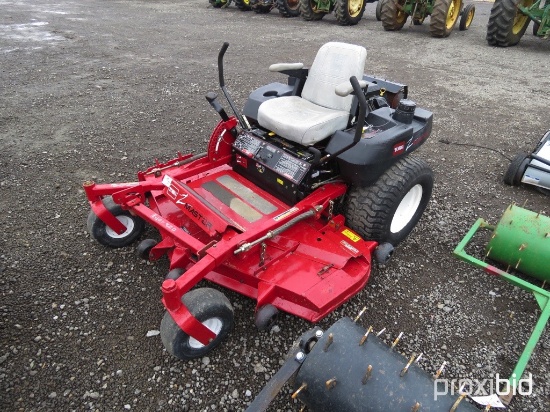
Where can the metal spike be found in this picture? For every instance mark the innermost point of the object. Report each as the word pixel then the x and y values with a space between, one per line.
pixel 440 370
pixel 524 203
pixel 407 366
pixel 517 264
pixel 367 375
pixel 487 408
pixel 396 341
pixel 418 359
pixel 365 336
pixel 381 332
pixel 330 339
pixel 360 314
pixel 297 391
pixel 415 407
pixel 522 247
pixel 457 402
pixel 537 216
pixel 489 251
pixel 331 383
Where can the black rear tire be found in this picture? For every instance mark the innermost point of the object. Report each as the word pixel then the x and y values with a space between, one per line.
pixel 289 8
pixel 108 237
pixel 388 210
pixel 507 24
pixel 392 17
pixel 210 307
pixel 307 10
pixel 349 12
pixel 444 16
pixel 515 171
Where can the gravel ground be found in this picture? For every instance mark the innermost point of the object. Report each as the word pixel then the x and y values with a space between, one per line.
pixel 99 89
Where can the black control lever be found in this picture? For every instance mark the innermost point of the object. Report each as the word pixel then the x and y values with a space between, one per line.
pixel 213 100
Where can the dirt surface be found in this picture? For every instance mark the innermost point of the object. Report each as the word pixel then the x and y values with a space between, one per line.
pixel 99 89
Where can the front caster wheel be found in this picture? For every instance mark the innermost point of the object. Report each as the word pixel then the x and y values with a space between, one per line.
pixel 383 253
pixel 389 209
pixel 210 307
pixel 144 248
pixel 107 236
pixel 265 317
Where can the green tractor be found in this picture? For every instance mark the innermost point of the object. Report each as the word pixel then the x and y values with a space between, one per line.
pixel 287 8
pixel 509 20
pixel 347 12
pixel 444 14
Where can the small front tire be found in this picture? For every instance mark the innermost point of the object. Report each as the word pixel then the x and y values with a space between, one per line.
pixel 210 307
pixel 265 317
pixel 107 236
pixel 466 17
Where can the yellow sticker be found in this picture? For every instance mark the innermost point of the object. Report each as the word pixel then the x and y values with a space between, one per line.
pixel 349 234
pixel 280 181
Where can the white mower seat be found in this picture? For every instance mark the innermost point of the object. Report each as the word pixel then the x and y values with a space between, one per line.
pixel 319 112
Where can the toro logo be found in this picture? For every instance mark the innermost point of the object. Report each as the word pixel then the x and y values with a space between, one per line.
pixel 398 149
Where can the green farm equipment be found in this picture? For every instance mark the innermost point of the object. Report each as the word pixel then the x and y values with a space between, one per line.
pixel 218 4
pixel 347 12
pixel 509 20
pixel 444 14
pixel 520 242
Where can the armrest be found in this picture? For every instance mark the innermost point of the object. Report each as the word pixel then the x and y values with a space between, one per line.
pixel 345 89
pixel 279 67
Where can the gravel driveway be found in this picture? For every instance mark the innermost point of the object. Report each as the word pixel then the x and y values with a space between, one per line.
pixel 99 89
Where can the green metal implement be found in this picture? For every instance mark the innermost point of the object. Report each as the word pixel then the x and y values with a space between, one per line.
pixel 521 240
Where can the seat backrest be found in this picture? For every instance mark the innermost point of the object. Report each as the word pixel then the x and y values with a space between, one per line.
pixel 335 63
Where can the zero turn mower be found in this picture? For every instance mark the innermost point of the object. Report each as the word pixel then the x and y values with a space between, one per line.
pixel 287 206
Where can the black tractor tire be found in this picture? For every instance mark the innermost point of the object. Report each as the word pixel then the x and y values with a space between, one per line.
pixel 388 210
pixel 307 10
pixel 507 24
pixel 243 5
pixel 467 16
pixel 349 12
pixel 289 8
pixel 144 248
pixel 379 10
pixel 392 17
pixel 265 317
pixel 108 237
pixel 262 9
pixel 444 16
pixel 535 28
pixel 210 307
pixel 219 5
pixel 515 170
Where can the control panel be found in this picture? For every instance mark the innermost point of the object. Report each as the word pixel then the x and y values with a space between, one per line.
pixel 272 163
pixel 274 157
